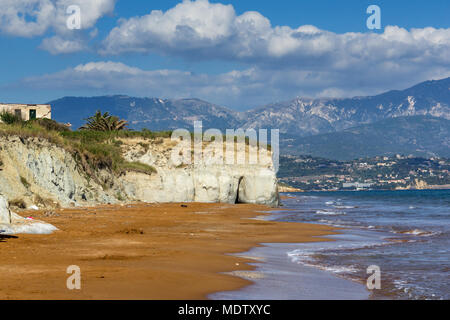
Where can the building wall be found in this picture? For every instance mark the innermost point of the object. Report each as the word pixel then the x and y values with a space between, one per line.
pixel 42 110
pixel 356 185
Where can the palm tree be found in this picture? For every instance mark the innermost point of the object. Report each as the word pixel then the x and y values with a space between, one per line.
pixel 104 122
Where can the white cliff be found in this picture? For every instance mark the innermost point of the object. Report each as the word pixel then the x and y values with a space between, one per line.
pixel 5 213
pixel 37 172
pixel 202 182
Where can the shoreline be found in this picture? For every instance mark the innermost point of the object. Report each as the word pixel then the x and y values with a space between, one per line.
pixel 278 277
pixel 432 187
pixel 399 231
pixel 143 251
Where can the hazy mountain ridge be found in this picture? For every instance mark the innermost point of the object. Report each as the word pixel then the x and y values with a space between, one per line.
pixel 152 113
pixel 298 117
pixel 399 121
pixel 422 136
pixel 313 116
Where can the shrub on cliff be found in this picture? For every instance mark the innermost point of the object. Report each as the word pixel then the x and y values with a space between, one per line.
pixel 50 124
pixel 9 118
pixel 104 122
pixel 18 203
pixel 93 150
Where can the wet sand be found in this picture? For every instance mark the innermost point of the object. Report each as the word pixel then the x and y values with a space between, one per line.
pixel 142 251
pixel 278 277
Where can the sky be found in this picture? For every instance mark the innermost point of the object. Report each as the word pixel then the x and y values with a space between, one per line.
pixel 238 54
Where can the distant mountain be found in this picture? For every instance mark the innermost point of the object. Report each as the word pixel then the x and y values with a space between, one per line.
pixel 396 127
pixel 306 117
pixel 421 136
pixel 299 117
pixel 152 113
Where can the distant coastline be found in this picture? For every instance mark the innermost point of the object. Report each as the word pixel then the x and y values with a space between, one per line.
pixel 443 187
pixel 378 173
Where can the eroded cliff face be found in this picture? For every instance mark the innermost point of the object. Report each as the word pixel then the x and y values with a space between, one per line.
pixel 211 180
pixel 43 174
pixel 39 173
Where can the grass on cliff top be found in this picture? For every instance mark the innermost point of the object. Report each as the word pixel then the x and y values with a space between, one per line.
pixel 93 150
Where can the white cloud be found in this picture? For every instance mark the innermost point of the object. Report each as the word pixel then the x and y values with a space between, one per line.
pixel 189 24
pixel 58 45
pixel 282 62
pixel 238 88
pixel 106 67
pixel 203 30
pixel 13 15
pixel 30 18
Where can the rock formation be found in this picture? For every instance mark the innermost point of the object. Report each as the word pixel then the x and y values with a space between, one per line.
pixel 44 174
pixel 5 214
pixel 12 223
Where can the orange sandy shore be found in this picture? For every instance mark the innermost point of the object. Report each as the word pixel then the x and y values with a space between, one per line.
pixel 141 251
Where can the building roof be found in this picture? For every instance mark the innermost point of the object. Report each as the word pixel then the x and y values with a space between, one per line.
pixel 25 104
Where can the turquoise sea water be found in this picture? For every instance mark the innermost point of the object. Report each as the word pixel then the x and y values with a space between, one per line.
pixel 405 233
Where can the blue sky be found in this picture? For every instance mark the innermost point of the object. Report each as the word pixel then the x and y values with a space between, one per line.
pixel 235 53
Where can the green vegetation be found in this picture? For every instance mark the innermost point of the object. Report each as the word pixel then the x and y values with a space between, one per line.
pixel 25 183
pixel 138 167
pixel 92 149
pixel 146 146
pixel 50 124
pixel 9 118
pixel 18 203
pixel 283 184
pixel 96 146
pixel 30 129
pixel 119 197
pixel 102 149
pixel 420 136
pixel 311 173
pixel 104 122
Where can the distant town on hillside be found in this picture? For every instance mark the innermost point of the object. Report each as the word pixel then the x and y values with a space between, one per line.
pixel 387 173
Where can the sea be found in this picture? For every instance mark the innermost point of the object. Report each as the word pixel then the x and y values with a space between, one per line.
pixel 404 234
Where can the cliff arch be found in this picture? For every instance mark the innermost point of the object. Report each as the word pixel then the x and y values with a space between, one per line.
pixel 237 191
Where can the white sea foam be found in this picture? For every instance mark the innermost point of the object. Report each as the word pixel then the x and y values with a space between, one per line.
pixel 306 258
pixel 345 207
pixel 369 231
pixel 339 269
pixel 418 232
pixel 331 213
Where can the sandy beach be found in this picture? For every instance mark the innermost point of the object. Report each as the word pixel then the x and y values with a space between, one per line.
pixel 142 251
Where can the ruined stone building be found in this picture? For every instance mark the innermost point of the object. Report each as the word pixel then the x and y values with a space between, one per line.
pixel 27 111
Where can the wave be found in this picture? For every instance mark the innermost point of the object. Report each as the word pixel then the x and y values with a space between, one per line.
pixel 331 213
pixel 345 207
pixel 418 232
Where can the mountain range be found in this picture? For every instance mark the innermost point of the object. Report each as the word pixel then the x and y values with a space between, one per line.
pixel 297 120
pixel 421 136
